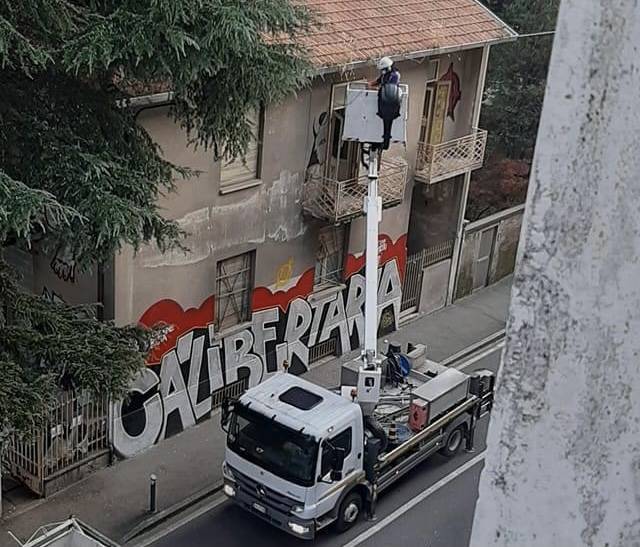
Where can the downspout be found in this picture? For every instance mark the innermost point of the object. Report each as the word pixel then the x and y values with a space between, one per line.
pixel 457 247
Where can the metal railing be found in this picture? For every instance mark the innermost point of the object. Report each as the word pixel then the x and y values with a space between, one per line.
pixel 324 349
pixel 436 162
pixel 338 201
pixel 75 432
pixel 416 263
pixel 230 391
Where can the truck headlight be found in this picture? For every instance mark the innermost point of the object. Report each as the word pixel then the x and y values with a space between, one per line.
pixel 298 528
pixel 297 509
pixel 229 490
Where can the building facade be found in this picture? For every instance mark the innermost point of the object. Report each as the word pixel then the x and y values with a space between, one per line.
pixel 274 267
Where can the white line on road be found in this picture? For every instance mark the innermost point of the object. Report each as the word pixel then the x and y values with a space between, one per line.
pixel 166 530
pixel 482 355
pixel 400 511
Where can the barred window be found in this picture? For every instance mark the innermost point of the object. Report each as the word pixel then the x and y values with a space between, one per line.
pixel 234 284
pixel 330 257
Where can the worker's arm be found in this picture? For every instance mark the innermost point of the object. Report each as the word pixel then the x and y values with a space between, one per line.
pixel 373 84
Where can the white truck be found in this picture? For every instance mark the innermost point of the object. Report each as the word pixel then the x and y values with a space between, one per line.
pixel 303 457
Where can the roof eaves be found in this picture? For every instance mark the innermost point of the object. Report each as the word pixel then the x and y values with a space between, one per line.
pixel 419 54
pixel 513 33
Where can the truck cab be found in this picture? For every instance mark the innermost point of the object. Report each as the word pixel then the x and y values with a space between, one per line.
pixel 292 449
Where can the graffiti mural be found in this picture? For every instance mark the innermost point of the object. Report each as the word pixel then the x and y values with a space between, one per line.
pixel 191 360
pixel 455 93
pixel 64 265
pixel 319 146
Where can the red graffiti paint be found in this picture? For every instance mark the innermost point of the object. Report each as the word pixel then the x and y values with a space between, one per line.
pixel 179 321
pixel 388 251
pixel 455 94
pixel 263 298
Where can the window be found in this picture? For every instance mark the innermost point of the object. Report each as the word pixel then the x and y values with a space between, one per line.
pixel 284 452
pixel 234 283
pixel 236 173
pixel 344 156
pixel 300 398
pixel 330 257
pixel 433 68
pixel 342 440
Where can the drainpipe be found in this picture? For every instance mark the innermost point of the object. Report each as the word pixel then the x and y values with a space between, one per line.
pixel 457 246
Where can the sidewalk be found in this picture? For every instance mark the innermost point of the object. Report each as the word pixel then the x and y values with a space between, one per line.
pixel 115 499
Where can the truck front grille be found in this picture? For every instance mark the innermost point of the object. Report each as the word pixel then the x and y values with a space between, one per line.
pixel 259 493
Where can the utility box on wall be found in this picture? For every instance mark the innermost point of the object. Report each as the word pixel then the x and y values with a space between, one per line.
pixel 362 122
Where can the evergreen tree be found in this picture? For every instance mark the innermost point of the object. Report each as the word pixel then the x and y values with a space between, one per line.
pixel 77 172
pixel 517 75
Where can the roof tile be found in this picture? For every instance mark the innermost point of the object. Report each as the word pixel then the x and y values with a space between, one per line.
pixel 361 30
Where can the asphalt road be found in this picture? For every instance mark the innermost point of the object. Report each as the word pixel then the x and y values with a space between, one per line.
pixel 431 507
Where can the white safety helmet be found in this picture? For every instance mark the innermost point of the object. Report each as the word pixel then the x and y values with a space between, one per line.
pixel 385 64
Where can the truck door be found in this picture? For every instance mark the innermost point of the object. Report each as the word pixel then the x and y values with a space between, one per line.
pixel 326 494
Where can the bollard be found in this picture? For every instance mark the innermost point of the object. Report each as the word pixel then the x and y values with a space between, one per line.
pixel 152 493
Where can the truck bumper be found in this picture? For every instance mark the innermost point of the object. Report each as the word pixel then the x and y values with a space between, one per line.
pixel 290 523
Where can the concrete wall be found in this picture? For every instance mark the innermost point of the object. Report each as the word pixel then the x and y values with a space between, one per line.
pixel 289 317
pixel 55 276
pixel 434 213
pixel 435 281
pixel 503 257
pixel 562 465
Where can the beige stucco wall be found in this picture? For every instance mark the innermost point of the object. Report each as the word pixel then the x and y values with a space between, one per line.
pixel 508 224
pixel 267 217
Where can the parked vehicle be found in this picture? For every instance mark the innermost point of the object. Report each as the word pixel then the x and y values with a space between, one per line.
pixel 303 457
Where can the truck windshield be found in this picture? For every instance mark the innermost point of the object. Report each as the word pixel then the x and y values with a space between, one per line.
pixel 282 451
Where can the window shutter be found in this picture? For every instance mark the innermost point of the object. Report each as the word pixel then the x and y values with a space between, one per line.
pixel 243 170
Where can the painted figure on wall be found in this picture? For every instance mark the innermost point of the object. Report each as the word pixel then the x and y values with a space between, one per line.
pixel 319 146
pixel 455 93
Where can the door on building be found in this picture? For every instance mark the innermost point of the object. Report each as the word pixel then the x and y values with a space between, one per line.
pixel 483 261
pixel 343 157
pixel 434 112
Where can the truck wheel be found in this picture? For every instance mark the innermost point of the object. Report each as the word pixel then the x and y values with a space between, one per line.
pixel 453 442
pixel 349 511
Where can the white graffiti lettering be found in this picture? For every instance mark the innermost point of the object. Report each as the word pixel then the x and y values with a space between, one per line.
pixel 202 362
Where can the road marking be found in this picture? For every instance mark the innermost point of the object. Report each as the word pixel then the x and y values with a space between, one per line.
pixel 166 530
pixel 476 358
pixel 402 510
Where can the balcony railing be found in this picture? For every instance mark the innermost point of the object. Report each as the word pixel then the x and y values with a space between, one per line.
pixel 448 159
pixel 339 201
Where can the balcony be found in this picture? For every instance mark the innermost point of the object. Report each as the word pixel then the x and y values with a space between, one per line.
pixel 339 201
pixel 448 159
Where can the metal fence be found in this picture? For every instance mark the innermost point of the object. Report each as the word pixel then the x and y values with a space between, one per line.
pixel 75 432
pixel 323 349
pixel 338 201
pixel 230 391
pixel 416 263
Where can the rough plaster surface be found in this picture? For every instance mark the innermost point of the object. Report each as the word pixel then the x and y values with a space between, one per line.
pixel 218 227
pixel 563 463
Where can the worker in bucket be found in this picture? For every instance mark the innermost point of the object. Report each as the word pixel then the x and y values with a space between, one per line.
pixel 389 74
pixel 389 97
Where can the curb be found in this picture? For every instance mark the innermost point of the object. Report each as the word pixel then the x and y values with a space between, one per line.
pixel 492 340
pixel 155 520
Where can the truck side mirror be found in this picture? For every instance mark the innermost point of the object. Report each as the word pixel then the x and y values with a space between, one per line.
pixel 225 414
pixel 337 463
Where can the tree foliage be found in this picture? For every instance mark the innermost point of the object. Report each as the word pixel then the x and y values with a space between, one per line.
pixel 517 75
pixel 78 173
pixel 514 93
